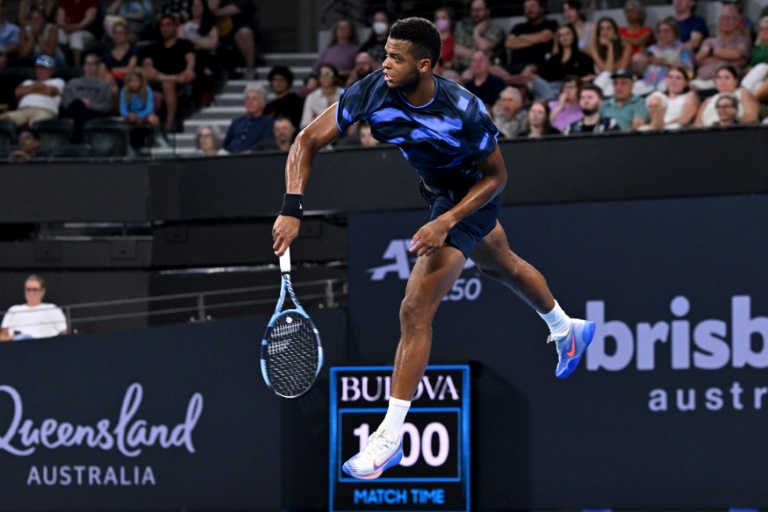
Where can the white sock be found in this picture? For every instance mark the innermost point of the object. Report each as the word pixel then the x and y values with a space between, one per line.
pixel 559 323
pixel 395 417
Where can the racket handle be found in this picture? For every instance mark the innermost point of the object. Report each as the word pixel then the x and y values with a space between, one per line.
pixel 285 261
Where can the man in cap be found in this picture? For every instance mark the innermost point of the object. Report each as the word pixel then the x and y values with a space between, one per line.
pixel 625 107
pixel 40 98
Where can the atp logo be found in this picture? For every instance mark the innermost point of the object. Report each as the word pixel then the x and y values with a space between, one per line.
pixel 403 261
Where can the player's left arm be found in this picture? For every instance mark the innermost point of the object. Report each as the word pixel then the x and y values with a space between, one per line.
pixel 431 236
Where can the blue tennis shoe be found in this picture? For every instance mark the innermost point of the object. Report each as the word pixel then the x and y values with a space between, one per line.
pixel 380 454
pixel 572 347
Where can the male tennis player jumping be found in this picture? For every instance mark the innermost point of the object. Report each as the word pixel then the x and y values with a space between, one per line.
pixel 445 133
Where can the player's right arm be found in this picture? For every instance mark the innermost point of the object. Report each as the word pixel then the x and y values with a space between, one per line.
pixel 319 133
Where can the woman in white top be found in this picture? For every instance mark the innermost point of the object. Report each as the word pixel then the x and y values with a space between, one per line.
pixel 682 103
pixel 727 81
pixel 573 14
pixel 324 96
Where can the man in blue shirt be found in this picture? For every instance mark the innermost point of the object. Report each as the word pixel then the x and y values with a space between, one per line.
pixel 445 133
pixel 245 133
pixel 9 37
pixel 693 29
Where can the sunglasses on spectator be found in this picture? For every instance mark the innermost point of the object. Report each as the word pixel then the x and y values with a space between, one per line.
pixel 33 290
pixel 327 73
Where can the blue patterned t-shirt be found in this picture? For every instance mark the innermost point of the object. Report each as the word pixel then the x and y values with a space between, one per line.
pixel 442 140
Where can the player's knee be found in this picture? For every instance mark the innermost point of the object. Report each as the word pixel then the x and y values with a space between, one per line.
pixel 414 313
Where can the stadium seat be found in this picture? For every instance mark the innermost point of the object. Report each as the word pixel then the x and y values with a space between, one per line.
pixel 73 151
pixel 7 136
pixel 53 133
pixel 107 136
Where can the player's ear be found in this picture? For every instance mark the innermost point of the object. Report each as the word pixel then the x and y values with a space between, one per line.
pixel 424 65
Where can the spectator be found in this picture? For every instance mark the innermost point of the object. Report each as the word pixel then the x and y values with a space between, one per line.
pixel 284 132
pixel 86 97
pixel 241 29
pixel 566 58
pixel 366 136
pixel 47 7
pixel 590 101
pixel 609 52
pixel 34 319
pixel 40 98
pixel 727 107
pixel 323 97
pixel 758 64
pixel 478 32
pixel 246 132
pixel 730 47
pixel 485 86
pixel 682 103
pixel 39 38
pixel 444 21
pixel 286 102
pixel 746 27
pixel 170 63
pixel 693 28
pixel 202 32
pixel 342 49
pixel 178 9
pixel 9 35
pixel 566 110
pixel 538 124
pixel 137 104
pixel 509 116
pixel 136 14
pixel 656 103
pixel 364 66
pixel 625 107
pixel 530 41
pixel 727 82
pixel 29 146
pixel 636 34
pixel 374 45
pixel 573 14
pixel 76 20
pixel 121 59
pixel 668 52
pixel 208 141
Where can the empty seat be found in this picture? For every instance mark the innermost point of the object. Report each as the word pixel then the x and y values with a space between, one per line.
pixel 53 133
pixel 107 136
pixel 7 137
pixel 73 151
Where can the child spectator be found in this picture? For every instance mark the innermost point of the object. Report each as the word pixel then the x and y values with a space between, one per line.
pixel 137 103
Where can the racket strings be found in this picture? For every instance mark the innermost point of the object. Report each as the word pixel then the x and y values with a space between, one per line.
pixel 292 355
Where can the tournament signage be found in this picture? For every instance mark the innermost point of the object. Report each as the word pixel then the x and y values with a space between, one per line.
pixel 434 472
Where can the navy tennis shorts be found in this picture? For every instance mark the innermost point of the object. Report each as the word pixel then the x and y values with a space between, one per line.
pixel 470 230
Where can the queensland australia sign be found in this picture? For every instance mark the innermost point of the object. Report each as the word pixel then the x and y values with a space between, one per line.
pixel 434 472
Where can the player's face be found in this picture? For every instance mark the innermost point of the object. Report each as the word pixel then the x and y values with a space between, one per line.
pixel 401 69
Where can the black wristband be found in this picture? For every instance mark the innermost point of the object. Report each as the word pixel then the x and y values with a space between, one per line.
pixel 293 205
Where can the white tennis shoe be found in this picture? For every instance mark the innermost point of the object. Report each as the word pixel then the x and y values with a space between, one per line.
pixel 380 454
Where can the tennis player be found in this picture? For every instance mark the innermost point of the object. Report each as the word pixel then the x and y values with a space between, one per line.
pixel 445 133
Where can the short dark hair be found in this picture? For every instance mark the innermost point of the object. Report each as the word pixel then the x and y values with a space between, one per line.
pixel 422 34
pixel 593 87
pixel 281 71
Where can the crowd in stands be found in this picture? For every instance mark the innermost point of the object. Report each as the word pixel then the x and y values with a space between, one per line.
pixel 571 72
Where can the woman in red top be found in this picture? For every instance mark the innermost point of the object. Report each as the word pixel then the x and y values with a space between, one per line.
pixel 636 34
pixel 444 23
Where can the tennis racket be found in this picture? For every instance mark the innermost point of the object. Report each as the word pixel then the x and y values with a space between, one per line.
pixel 291 352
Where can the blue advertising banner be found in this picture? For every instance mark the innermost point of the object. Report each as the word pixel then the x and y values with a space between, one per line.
pixel 434 472
pixel 668 408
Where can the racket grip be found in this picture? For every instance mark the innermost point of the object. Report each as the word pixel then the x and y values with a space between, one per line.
pixel 285 261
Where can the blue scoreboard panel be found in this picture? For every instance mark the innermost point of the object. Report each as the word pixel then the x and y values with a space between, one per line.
pixel 434 472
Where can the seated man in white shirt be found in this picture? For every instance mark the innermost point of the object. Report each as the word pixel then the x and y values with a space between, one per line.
pixel 40 98
pixel 34 319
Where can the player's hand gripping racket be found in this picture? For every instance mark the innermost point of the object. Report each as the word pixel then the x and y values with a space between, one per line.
pixel 291 353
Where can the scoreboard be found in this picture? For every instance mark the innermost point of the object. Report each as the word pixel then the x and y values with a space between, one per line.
pixel 434 472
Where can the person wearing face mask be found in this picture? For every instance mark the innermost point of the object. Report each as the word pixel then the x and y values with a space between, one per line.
pixel 444 23
pixel 374 45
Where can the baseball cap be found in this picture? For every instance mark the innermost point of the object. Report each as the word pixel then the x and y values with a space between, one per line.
pixel 623 73
pixel 45 61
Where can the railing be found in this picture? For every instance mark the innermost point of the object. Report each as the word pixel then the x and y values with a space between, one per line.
pixel 197 306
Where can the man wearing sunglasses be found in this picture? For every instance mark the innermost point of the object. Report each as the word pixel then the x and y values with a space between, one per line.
pixel 34 318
